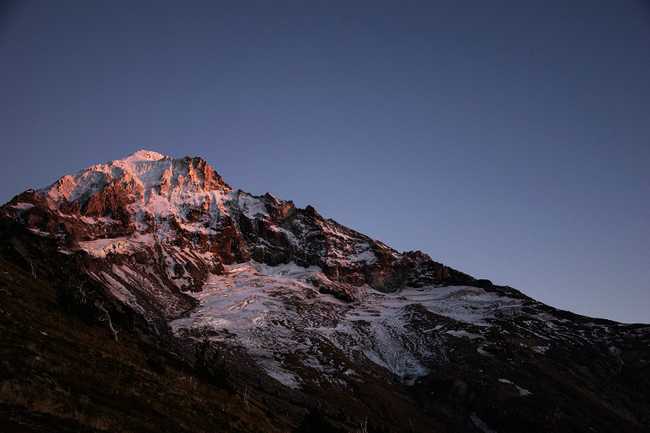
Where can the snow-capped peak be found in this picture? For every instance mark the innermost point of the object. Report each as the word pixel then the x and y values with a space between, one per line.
pixel 145 155
pixel 142 175
pixel 140 163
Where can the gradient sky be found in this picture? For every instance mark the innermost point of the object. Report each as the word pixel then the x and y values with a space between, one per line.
pixel 507 139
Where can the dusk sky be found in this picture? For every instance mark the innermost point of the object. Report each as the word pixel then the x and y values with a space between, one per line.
pixel 507 139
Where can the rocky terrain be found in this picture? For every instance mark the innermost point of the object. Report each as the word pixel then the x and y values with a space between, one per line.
pixel 146 294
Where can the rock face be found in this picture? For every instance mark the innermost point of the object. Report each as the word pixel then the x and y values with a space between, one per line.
pixel 165 250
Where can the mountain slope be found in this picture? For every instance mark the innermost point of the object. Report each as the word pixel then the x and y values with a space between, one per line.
pixel 312 324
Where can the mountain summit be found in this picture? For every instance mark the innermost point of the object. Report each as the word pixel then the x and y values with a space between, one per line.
pixel 145 181
pixel 319 327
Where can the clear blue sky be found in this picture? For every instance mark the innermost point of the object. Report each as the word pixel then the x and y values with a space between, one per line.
pixel 510 140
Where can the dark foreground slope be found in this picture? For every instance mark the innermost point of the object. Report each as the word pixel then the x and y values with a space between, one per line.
pixel 62 371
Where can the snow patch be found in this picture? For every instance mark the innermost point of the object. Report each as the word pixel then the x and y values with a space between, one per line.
pixel 22 206
pixel 284 377
pixel 251 206
pixel 367 256
pixel 480 424
pixel 121 245
pixel 523 392
pixel 463 334
pixel 540 349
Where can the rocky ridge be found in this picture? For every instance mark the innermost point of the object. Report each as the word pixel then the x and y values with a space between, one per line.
pixel 166 249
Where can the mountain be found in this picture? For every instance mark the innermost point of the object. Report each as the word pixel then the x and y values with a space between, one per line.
pixel 146 294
